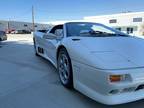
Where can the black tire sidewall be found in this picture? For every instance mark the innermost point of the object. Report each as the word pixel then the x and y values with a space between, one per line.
pixel 69 83
pixel 35 48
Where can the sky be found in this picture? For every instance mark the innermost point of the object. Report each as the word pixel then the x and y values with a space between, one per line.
pixel 57 10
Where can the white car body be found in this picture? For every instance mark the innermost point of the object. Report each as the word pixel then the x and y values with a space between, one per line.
pixel 94 59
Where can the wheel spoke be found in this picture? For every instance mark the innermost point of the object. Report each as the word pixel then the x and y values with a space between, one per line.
pixel 64 68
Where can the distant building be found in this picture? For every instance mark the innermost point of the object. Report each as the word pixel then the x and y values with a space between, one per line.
pixel 131 22
pixel 62 22
pixel 4 25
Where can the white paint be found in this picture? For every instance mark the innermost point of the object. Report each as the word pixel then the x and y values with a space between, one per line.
pixel 94 59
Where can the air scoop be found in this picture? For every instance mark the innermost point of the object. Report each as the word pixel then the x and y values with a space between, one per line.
pixel 76 39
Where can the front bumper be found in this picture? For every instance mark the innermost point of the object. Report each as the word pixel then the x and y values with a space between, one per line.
pixel 119 98
pixel 94 83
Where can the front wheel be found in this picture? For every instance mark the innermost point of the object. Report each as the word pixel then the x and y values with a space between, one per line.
pixel 65 68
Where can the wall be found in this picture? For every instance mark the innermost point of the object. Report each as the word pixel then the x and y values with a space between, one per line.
pixel 21 25
pixel 124 20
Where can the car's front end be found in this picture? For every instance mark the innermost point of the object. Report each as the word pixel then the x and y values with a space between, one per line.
pixel 109 87
pixel 108 66
pixel 107 69
pixel 125 86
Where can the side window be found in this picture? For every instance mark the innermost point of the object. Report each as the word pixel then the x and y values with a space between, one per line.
pixel 57 30
pixel 53 30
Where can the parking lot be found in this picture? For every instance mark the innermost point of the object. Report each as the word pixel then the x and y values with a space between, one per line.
pixel 27 81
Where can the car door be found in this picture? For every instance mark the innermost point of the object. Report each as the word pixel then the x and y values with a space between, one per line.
pixel 51 44
pixel 39 40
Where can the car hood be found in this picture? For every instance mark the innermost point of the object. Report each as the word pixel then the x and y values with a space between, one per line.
pixel 114 52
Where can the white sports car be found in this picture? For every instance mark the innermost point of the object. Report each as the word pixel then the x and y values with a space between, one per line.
pixel 100 62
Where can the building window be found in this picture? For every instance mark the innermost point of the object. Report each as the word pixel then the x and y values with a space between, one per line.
pixel 118 29
pixel 113 21
pixel 137 19
pixel 130 30
pixel 25 25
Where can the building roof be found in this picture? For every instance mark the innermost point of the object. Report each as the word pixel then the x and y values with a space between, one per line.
pixel 116 15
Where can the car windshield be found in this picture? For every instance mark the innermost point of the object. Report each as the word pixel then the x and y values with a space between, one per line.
pixel 91 30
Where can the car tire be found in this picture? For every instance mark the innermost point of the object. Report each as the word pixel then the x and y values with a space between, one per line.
pixel 64 68
pixel 35 48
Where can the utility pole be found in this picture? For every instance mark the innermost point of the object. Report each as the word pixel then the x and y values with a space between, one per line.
pixel 8 26
pixel 33 19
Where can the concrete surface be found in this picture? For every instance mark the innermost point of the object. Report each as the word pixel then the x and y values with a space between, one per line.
pixel 27 81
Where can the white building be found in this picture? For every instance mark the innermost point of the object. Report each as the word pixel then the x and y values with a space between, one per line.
pixel 131 22
pixel 61 22
pixel 16 25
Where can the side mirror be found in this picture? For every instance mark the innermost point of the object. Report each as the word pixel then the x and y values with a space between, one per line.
pixel 49 36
